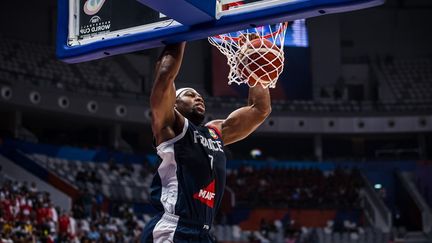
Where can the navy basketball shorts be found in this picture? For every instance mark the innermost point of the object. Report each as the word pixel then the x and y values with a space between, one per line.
pixel 165 228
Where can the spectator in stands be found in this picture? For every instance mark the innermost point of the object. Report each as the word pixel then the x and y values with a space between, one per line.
pixel 5 237
pixel 109 236
pixel 264 228
pixel 64 227
pixel 33 190
pixel 93 234
pixel 87 203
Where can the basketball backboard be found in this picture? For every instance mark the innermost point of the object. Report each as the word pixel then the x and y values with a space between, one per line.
pixel 92 29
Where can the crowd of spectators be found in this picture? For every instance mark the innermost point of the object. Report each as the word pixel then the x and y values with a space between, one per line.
pixel 282 231
pixel 296 188
pixel 288 231
pixel 28 215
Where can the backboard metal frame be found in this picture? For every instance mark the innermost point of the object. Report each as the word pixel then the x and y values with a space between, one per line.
pixel 72 49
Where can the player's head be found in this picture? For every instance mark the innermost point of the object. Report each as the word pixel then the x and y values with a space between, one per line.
pixel 190 104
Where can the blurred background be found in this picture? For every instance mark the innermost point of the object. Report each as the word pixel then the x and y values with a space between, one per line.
pixel 345 155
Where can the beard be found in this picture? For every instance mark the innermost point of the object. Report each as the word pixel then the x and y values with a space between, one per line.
pixel 195 117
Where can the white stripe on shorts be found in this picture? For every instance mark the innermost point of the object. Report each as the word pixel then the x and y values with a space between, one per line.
pixel 164 230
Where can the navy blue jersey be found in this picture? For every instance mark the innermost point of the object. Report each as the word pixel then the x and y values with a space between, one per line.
pixel 190 179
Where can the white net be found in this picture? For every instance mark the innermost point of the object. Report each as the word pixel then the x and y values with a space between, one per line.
pixel 255 56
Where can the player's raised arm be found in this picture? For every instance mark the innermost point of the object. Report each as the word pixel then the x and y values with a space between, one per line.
pixel 165 122
pixel 243 121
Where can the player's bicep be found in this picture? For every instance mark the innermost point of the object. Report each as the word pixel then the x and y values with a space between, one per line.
pixel 240 123
pixel 162 100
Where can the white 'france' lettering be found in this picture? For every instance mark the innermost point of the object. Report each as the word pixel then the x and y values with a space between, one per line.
pixel 207 142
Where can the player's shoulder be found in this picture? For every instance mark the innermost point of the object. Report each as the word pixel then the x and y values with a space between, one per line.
pixel 167 132
pixel 215 125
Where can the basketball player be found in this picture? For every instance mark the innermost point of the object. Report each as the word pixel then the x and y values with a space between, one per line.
pixel 189 183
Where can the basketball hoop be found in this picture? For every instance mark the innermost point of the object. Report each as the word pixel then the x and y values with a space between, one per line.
pixel 254 55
